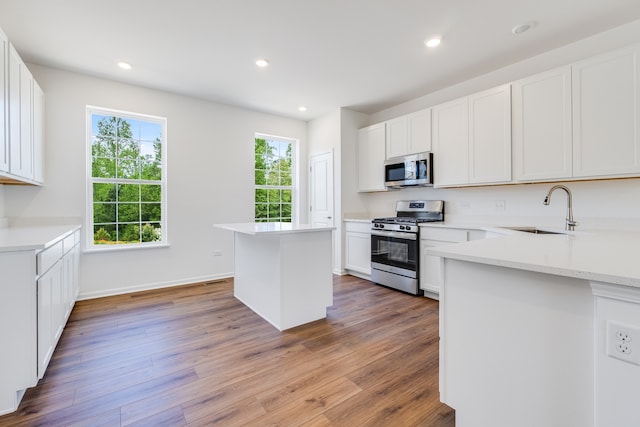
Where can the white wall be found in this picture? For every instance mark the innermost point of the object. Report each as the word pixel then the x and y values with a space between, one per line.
pixel 210 178
pixel 596 203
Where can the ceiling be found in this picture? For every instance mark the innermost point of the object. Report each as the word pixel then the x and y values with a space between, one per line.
pixel 367 55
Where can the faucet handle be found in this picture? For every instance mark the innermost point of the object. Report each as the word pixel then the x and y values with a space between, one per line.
pixel 571 224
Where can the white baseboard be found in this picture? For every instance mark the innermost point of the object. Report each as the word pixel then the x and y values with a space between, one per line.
pixel 150 286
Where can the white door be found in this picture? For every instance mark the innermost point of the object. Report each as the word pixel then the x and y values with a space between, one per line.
pixel 321 189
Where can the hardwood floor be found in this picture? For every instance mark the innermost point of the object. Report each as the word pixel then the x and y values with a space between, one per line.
pixel 193 355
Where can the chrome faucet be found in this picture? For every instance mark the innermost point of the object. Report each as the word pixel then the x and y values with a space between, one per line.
pixel 570 224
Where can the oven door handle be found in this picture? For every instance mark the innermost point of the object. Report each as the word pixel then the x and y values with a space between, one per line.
pixel 396 234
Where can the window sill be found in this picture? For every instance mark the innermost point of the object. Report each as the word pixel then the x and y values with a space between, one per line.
pixel 118 248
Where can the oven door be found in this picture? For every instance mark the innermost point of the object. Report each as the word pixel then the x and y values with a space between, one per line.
pixel 395 252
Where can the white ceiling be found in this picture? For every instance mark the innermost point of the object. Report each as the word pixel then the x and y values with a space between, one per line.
pixel 366 55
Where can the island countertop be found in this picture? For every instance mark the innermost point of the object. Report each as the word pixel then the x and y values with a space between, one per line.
pixel 605 256
pixel 256 228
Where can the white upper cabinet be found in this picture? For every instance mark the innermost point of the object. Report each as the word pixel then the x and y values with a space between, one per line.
pixel 490 136
pixel 409 134
pixel 397 137
pixel 419 131
pixel 38 133
pixel 371 157
pixel 4 103
pixel 451 143
pixel 22 156
pixel 472 139
pixel 606 92
pixel 542 135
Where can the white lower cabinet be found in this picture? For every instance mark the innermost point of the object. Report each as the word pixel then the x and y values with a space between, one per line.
pixel 39 290
pixel 57 293
pixel 358 247
pixel 430 265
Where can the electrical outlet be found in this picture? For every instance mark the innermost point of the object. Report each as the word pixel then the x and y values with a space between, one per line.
pixel 623 342
pixel 500 205
pixel 217 253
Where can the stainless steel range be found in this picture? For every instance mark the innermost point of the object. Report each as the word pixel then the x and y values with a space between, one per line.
pixel 395 244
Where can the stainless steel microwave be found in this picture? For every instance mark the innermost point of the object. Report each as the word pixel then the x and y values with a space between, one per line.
pixel 407 171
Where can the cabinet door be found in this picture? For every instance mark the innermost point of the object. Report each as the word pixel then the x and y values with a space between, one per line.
pixel 397 141
pixel 49 286
pixel 20 120
pixel 542 134
pixel 606 92
pixel 371 157
pixel 430 270
pixel 419 125
pixel 451 143
pixel 490 136
pixel 4 103
pixel 358 252
pixel 38 133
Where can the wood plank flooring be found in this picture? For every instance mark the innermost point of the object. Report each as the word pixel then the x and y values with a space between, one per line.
pixel 193 355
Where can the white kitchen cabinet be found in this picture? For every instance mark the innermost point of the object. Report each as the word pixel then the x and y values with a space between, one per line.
pixel 542 132
pixel 409 134
pixel 371 157
pixel 358 247
pixel 4 103
pixel 24 141
pixel 451 143
pixel 39 289
pixel 606 92
pixel 38 133
pixel 20 99
pixel 472 139
pixel 430 265
pixel 57 293
pixel 18 327
pixel 490 136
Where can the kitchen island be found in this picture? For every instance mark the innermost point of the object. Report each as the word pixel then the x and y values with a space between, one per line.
pixel 529 329
pixel 283 271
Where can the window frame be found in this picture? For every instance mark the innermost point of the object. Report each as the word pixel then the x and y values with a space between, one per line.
pixel 90 245
pixel 294 174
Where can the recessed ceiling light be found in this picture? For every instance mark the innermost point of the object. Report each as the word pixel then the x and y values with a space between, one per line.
pixel 302 108
pixel 262 63
pixel 433 41
pixel 124 65
pixel 523 28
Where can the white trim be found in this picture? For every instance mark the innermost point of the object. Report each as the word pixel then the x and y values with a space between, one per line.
pixel 617 292
pixel 151 286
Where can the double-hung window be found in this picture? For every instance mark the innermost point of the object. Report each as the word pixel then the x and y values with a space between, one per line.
pixel 126 191
pixel 274 179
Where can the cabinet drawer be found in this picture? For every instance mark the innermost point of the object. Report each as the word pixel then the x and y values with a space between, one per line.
pixel 69 242
pixel 359 227
pixel 48 257
pixel 443 234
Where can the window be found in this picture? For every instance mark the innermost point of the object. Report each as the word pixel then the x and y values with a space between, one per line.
pixel 126 188
pixel 274 183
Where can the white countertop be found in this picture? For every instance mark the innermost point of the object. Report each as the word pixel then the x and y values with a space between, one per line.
pixel 256 228
pixel 25 238
pixel 607 256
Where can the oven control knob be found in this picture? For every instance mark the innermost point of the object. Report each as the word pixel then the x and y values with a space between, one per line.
pixel 408 227
pixel 402 227
pixel 381 225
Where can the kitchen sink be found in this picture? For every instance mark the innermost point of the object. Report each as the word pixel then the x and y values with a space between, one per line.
pixel 534 230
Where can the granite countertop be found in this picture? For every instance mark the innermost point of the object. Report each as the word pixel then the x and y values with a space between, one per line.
pixel 606 256
pixel 257 228
pixel 23 238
